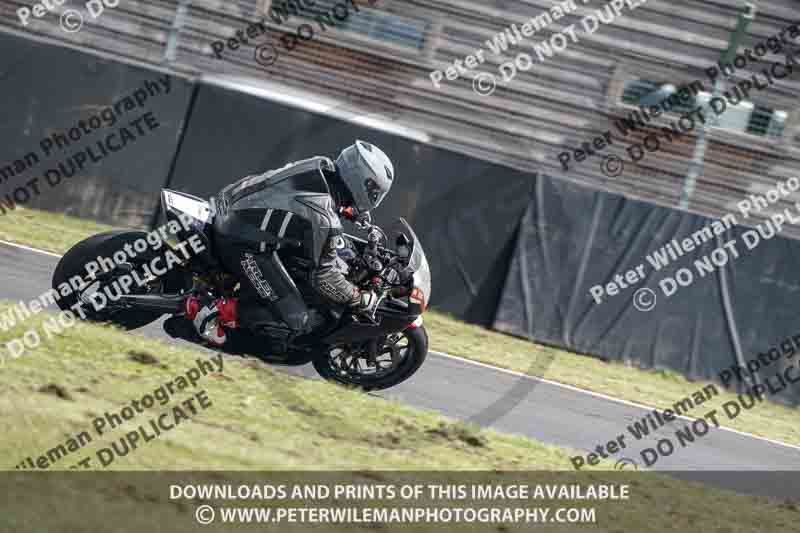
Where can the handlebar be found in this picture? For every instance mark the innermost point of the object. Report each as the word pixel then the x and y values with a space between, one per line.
pixel 376 265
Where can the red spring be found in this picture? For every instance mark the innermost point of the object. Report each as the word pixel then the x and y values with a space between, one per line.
pixel 347 212
pixel 192 307
pixel 228 312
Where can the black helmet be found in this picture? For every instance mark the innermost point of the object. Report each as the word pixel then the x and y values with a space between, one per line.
pixel 367 173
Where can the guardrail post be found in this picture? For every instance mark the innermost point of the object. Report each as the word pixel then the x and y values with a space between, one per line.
pixel 746 16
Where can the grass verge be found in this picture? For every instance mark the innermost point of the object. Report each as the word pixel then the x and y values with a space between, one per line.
pixel 261 419
pixel 660 389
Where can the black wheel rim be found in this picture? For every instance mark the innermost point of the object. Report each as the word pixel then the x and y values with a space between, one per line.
pixel 353 365
pixel 106 279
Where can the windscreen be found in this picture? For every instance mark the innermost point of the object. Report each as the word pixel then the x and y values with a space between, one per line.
pixel 418 263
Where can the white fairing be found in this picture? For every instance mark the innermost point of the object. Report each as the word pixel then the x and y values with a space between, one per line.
pixel 418 264
pixel 422 271
pixel 196 208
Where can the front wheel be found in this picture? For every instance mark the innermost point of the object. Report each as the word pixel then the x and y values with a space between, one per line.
pixel 399 356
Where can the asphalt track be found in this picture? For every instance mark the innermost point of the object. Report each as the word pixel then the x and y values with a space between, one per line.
pixel 513 403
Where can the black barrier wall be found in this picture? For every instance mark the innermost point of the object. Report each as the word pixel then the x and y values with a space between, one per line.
pixel 506 249
pixel 465 211
pixel 572 239
pixel 113 129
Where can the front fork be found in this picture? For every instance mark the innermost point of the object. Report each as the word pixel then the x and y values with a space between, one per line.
pixel 372 348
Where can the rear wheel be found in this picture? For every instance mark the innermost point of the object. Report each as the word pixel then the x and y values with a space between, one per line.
pixel 398 357
pixel 74 262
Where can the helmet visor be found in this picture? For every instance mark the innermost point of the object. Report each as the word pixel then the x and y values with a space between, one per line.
pixel 375 192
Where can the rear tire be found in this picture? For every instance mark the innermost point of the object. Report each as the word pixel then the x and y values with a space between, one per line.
pixel 73 263
pixel 415 356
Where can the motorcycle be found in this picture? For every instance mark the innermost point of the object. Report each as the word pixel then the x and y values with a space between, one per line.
pixel 370 352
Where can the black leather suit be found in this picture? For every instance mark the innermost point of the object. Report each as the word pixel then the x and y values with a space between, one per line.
pixel 278 233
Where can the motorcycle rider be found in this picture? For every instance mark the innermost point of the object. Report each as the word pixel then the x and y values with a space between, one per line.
pixel 279 230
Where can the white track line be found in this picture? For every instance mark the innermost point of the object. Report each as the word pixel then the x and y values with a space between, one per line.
pixel 15 245
pixel 603 396
pixel 521 375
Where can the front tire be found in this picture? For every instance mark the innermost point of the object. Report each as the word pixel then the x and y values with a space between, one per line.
pixel 416 350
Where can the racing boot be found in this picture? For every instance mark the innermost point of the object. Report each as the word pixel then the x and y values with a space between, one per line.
pixel 211 317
